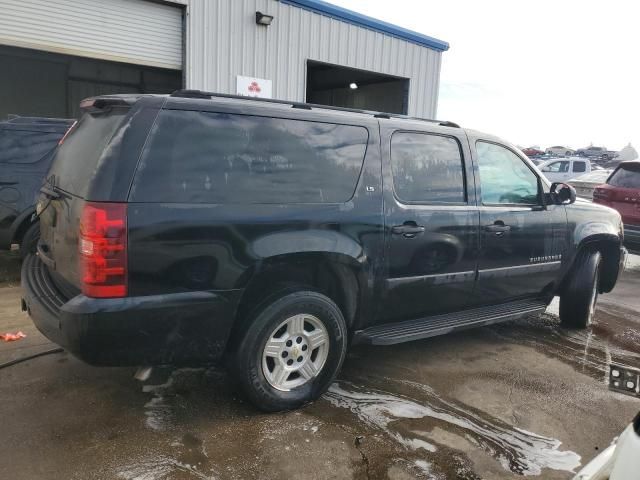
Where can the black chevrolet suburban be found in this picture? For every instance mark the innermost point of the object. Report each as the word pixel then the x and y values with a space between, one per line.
pixel 196 227
pixel 27 145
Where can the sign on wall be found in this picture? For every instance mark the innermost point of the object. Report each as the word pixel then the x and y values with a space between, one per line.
pixel 253 87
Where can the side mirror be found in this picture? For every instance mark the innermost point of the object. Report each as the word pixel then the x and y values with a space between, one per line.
pixel 563 194
pixel 545 169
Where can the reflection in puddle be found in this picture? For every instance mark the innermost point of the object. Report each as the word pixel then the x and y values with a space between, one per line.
pixel 160 468
pixel 517 450
pixel 590 351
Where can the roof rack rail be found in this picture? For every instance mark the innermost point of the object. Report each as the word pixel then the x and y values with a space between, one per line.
pixel 185 93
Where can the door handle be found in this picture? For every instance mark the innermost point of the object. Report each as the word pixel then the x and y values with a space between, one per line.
pixel 408 229
pixel 499 228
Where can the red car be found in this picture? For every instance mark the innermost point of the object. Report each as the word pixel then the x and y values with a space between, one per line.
pixel 532 152
pixel 622 192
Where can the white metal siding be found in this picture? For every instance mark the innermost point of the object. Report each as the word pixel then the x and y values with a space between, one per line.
pixel 223 41
pixel 131 31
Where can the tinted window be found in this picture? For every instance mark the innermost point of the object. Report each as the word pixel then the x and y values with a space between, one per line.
pixel 198 157
pixel 504 177
pixel 77 159
pixel 626 177
pixel 579 167
pixel 20 146
pixel 427 168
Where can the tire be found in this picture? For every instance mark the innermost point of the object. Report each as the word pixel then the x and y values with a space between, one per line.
pixel 579 298
pixel 260 375
pixel 29 241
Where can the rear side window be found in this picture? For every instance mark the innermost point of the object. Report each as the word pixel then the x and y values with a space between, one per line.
pixel 579 167
pixel 21 146
pixel 427 168
pixel 201 157
pixel 78 158
pixel 626 177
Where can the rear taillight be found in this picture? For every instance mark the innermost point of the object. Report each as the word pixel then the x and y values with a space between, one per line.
pixel 103 249
pixel 601 194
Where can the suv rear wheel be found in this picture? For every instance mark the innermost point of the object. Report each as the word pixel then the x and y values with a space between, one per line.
pixel 292 351
pixel 579 298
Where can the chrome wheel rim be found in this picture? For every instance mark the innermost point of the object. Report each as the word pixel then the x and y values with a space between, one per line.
pixel 295 352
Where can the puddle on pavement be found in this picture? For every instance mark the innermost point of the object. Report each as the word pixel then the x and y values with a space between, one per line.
pixel 400 416
pixel 612 339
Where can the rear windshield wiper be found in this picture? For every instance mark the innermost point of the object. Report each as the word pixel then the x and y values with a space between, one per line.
pixel 51 192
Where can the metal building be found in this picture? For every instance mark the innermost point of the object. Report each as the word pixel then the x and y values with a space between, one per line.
pixel 52 54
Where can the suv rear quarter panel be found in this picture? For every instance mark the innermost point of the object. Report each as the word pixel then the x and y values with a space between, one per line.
pixel 175 247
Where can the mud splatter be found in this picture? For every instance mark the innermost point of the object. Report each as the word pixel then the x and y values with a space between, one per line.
pixel 517 450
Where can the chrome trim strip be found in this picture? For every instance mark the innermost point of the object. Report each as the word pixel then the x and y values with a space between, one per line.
pixel 435 279
pixel 518 270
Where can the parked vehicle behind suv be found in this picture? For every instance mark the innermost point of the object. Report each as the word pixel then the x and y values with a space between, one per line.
pixel 565 169
pixel 26 150
pixel 596 152
pixel 622 192
pixel 197 226
pixel 560 150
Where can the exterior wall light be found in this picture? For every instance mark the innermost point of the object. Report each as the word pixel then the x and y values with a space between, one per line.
pixel 263 19
pixel 353 86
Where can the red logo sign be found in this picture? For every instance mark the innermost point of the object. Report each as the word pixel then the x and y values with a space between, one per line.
pixel 254 87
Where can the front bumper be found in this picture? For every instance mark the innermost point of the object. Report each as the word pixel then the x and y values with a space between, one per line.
pixel 179 328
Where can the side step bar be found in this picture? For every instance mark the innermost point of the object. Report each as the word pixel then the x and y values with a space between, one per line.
pixel 398 332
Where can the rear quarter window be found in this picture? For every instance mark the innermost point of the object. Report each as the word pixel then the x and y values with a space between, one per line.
pixel 24 147
pixel 202 157
pixel 626 177
pixel 77 160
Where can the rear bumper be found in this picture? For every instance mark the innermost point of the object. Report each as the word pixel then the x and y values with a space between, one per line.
pixel 180 328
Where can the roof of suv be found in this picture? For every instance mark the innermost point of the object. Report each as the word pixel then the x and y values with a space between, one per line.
pixel 198 95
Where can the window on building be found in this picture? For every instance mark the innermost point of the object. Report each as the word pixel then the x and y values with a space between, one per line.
pixel 504 177
pixel 200 157
pixel 427 168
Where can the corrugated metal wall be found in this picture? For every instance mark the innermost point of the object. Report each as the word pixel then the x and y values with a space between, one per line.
pixel 131 31
pixel 223 41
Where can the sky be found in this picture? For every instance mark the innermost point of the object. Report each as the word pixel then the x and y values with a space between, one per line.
pixel 562 72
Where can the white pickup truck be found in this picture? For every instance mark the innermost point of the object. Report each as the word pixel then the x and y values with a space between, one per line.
pixel 564 169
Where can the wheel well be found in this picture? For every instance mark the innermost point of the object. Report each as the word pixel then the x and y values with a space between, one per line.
pixel 610 251
pixel 327 276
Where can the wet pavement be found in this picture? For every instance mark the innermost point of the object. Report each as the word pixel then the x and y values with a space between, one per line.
pixel 524 398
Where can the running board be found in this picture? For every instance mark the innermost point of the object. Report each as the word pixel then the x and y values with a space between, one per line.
pixel 398 332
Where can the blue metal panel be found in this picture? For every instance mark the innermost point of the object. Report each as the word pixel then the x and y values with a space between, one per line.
pixel 360 20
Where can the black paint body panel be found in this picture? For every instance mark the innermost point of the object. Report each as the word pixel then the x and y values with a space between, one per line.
pixel 189 265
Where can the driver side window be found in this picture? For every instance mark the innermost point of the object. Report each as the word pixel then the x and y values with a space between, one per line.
pixel 504 177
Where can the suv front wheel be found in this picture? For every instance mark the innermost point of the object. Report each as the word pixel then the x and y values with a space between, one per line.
pixel 579 298
pixel 291 351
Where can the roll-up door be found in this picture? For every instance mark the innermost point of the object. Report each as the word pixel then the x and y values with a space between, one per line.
pixel 131 31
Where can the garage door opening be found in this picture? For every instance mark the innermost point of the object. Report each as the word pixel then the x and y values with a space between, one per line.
pixel 38 83
pixel 349 87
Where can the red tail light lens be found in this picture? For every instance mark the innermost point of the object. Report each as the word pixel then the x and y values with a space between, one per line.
pixel 601 194
pixel 103 249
